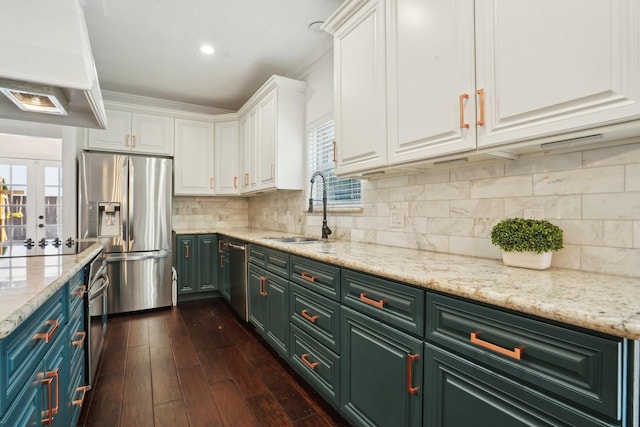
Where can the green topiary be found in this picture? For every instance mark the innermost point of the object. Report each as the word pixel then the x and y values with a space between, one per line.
pixel 526 235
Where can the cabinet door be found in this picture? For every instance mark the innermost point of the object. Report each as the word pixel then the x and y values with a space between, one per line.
pixel 431 79
pixel 226 158
pixel 257 295
pixel 460 393
pixel 277 313
pixel 57 370
pixel 116 137
pixel 193 160
pixel 186 266
pixel 381 373
pixel 267 140
pixel 360 86
pixel 225 275
pixel 547 67
pixel 26 409
pixel 207 267
pixel 151 134
pixel 247 152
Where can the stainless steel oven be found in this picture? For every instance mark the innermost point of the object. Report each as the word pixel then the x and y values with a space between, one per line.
pixel 95 304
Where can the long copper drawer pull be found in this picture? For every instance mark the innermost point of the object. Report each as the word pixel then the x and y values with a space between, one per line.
pixel 463 125
pixel 186 250
pixel 308 278
pixel 48 380
pixel 79 342
pixel 410 359
pixel 379 304
pixel 80 290
pixel 46 336
pixel 516 353
pixel 310 365
pixel 311 319
pixel 80 401
pixel 480 93
pixel 263 286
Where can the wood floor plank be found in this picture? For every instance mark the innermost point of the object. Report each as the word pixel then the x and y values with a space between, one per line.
pixel 200 406
pixel 243 373
pixel 170 414
pixel 233 408
pixel 268 412
pixel 314 420
pixel 106 401
pixel 184 352
pixel 214 368
pixel 139 331
pixel 165 382
pixel 137 397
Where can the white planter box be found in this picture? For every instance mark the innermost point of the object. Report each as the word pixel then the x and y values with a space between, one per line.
pixel 527 259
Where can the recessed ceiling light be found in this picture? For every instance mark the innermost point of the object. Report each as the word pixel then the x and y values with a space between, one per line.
pixel 207 49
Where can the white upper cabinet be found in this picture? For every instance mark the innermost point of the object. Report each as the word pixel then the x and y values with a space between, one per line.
pixel 430 78
pixel 548 67
pixel 139 132
pixel 226 158
pixel 194 158
pixel 359 71
pixel 272 137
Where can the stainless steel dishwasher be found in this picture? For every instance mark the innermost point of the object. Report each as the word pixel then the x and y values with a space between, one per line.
pixel 238 260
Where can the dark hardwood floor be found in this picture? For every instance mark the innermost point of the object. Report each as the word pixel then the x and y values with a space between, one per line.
pixel 197 365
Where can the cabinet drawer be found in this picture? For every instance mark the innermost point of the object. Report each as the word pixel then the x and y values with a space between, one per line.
pixel 397 304
pixel 577 366
pixel 316 363
pixel 459 392
pixel 258 255
pixel 317 276
pixel 316 315
pixel 277 262
pixel 26 346
pixel 76 288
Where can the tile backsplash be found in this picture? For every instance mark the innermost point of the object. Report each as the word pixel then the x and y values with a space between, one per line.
pixel 593 195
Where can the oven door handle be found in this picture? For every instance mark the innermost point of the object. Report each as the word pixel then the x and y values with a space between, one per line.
pixel 136 256
pixel 93 294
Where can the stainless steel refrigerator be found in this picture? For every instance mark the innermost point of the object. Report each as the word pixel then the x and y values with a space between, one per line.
pixel 126 199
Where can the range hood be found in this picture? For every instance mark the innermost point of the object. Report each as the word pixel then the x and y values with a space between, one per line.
pixel 47 72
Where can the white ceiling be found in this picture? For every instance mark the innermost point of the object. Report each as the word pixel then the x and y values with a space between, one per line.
pixel 150 47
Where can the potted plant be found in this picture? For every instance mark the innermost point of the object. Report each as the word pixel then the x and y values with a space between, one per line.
pixel 527 243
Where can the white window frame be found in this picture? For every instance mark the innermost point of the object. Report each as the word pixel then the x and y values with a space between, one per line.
pixel 337 188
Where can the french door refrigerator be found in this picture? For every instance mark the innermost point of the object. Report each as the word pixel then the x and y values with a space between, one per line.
pixel 126 199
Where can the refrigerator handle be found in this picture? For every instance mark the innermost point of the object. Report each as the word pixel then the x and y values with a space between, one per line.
pixel 131 208
pixel 125 202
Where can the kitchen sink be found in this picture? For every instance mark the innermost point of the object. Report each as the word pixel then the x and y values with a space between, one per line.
pixel 294 239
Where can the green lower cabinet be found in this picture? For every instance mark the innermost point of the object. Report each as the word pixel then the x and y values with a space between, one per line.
pixel 461 393
pixel 269 307
pixel 224 274
pixel 196 263
pixel 381 381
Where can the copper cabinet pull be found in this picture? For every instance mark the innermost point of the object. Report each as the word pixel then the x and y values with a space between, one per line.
pixel 222 261
pixel 80 401
pixel 246 179
pixel 463 125
pixel 186 251
pixel 516 353
pixel 311 319
pixel 263 286
pixel 126 141
pixel 79 342
pixel 235 182
pixel 80 290
pixel 220 242
pixel 310 365
pixel 480 93
pixel 410 359
pixel 48 380
pixel 335 158
pixel 46 336
pixel 211 183
pixel 133 138
pixel 379 304
pixel 307 277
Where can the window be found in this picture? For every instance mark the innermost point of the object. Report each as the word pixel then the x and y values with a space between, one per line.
pixel 340 191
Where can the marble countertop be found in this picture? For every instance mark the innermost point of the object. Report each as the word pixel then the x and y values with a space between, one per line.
pixel 604 303
pixel 27 282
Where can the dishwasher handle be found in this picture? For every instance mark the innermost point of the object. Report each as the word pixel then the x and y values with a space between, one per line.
pixel 238 247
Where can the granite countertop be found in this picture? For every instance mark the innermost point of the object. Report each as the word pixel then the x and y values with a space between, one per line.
pixel 28 282
pixel 604 303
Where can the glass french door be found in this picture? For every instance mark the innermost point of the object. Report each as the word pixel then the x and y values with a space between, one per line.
pixel 30 199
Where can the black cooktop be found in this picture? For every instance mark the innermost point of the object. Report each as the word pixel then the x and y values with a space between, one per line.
pixel 42 247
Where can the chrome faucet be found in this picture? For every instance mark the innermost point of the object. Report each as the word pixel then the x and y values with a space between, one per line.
pixel 326 231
